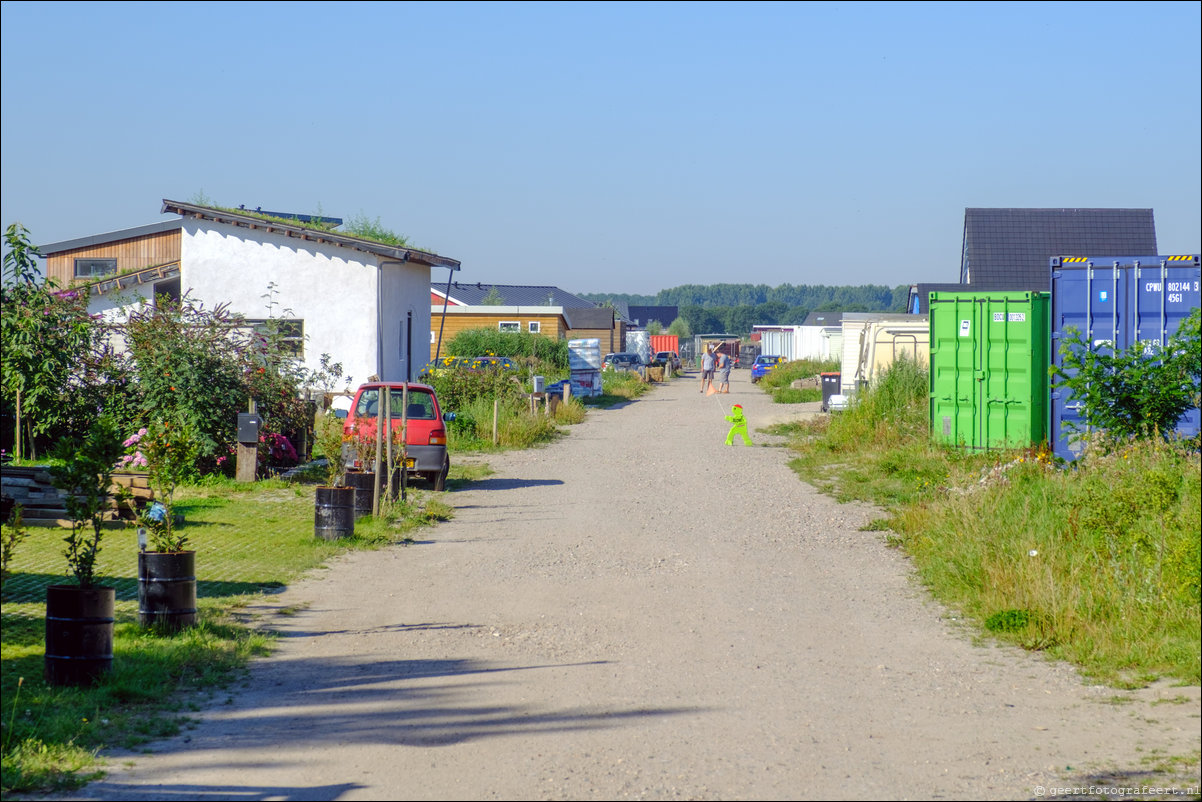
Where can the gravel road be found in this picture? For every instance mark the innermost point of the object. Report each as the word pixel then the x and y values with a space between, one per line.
pixel 639 611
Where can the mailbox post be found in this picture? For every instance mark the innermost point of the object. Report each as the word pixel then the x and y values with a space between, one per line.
pixel 248 445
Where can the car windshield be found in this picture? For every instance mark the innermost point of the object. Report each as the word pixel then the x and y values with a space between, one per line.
pixel 421 404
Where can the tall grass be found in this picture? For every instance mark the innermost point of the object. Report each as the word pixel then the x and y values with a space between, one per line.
pixel 617 385
pixel 893 411
pixel 785 374
pixel 877 450
pixel 532 350
pixel 516 425
pixel 1097 564
pixel 798 395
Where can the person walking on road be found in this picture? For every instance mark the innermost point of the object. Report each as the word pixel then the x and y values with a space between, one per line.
pixel 707 370
pixel 723 368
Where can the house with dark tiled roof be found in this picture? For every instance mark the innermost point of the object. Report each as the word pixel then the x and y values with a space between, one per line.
pixel 1009 249
pixel 354 298
pixel 480 294
pixel 543 310
pixel 641 316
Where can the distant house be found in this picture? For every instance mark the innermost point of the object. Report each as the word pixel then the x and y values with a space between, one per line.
pixel 641 316
pixel 818 338
pixel 1009 249
pixel 547 311
pixel 823 319
pixel 358 300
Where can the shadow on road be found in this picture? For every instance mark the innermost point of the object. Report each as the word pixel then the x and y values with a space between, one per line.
pixel 510 484
pixel 422 702
pixel 315 707
pixel 234 793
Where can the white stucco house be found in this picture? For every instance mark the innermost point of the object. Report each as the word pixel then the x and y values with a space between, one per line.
pixel 364 303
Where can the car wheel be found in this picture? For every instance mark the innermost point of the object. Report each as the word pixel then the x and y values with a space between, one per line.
pixel 440 478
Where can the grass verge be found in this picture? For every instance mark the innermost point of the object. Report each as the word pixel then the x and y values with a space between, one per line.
pixel 1097 564
pixel 618 386
pixel 251 538
pixel 516 425
pixel 784 374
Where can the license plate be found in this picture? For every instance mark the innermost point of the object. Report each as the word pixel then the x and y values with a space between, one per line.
pixel 411 463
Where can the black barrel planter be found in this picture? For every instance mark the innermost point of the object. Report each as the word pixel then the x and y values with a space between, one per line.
pixel 167 589
pixel 79 634
pixel 334 513
pixel 364 484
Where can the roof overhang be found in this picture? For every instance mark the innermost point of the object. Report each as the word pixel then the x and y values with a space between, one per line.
pixel 103 239
pixel 254 222
pixel 526 311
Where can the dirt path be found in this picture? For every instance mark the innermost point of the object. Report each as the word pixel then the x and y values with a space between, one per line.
pixel 639 611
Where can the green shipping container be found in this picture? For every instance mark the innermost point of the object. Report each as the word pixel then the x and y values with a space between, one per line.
pixel 989 368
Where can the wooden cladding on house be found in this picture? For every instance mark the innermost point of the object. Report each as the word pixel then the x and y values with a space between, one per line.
pixel 130 254
pixel 550 326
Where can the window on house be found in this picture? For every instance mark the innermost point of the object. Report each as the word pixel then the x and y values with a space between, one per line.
pixel 94 268
pixel 535 326
pixel 167 289
pixel 510 325
pixel 290 333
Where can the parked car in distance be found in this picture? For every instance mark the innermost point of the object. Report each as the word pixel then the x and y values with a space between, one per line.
pixel 763 365
pixel 621 361
pixel 669 358
pixel 437 367
pixel 425 429
pixel 487 362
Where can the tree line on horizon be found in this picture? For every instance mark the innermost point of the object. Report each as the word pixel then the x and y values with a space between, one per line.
pixel 735 308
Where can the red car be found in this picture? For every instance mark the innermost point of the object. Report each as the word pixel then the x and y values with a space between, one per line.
pixel 425 432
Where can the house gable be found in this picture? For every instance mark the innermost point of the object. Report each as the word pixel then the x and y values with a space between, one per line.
pixel 357 300
pixel 253 222
pixel 366 312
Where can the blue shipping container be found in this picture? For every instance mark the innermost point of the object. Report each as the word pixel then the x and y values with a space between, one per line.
pixel 1117 301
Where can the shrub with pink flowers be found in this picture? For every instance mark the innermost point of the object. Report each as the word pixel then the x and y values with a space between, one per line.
pixel 134 459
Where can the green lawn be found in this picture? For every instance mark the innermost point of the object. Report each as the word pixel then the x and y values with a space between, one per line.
pixel 250 541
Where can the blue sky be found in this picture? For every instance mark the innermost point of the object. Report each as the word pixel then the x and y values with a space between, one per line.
pixel 610 147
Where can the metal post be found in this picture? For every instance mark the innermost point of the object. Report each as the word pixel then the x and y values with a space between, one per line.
pixel 381 420
pixel 385 480
pixel 443 323
pixel 404 444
